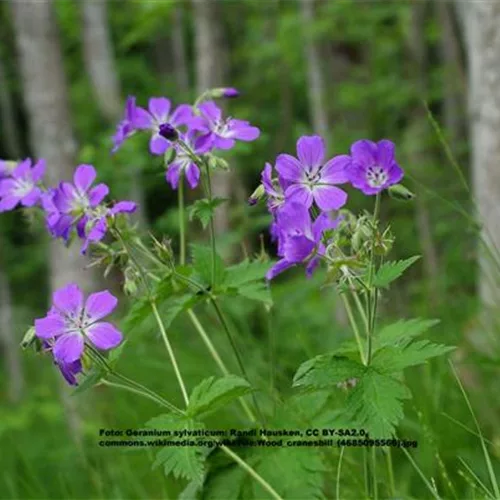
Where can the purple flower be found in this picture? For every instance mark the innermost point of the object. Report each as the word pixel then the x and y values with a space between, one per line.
pixel 310 179
pixel 70 370
pixel 69 203
pixel 299 238
pixel 94 226
pixel 126 127
pixel 222 133
pixel 157 118
pixel 71 323
pixel 183 163
pixel 6 168
pixel 21 187
pixel 373 167
pixel 274 188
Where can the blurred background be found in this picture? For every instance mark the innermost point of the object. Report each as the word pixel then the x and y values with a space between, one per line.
pixel 425 74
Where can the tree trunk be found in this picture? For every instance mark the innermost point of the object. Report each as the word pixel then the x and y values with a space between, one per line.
pixel 315 78
pixel 179 50
pixel 210 72
pixel 482 22
pixel 47 106
pixel 101 67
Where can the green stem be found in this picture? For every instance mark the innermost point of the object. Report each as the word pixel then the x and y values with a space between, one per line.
pixel 170 352
pixel 252 472
pixel 182 232
pixel 339 468
pixel 390 471
pixel 354 327
pixel 374 473
pixel 211 226
pixel 132 389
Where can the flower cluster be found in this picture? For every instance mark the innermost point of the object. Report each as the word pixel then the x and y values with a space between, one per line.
pixel 188 130
pixel 304 194
pixel 73 323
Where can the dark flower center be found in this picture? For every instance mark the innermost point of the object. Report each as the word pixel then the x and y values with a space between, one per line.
pixel 168 132
pixel 376 176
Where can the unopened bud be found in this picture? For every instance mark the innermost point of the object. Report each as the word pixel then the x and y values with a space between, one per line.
pixel 227 92
pixel 169 156
pixel 401 193
pixel 257 195
pixel 217 163
pixel 168 132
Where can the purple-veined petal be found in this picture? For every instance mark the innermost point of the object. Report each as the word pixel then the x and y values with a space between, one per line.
pixel 104 335
pixel 289 168
pixel 181 115
pixel 142 120
pixel 203 143
pixel 245 133
pixel 68 300
pixel 311 151
pixel 100 304
pixel 223 143
pixel 294 218
pixel 84 177
pixel 199 123
pixel 385 154
pixel 9 202
pixel 335 170
pixel 278 268
pixel 70 370
pixel 68 348
pixel 297 248
pixel 38 170
pixel 51 326
pixel 298 193
pixel 210 110
pixel 329 197
pixel 173 174
pixel 31 198
pixel 98 230
pixel 267 181
pixel 158 144
pixel 323 223
pixel 395 174
pixel 364 152
pixel 97 194
pixel 7 186
pixel 22 170
pixel 192 175
pixel 123 207
pixel 159 107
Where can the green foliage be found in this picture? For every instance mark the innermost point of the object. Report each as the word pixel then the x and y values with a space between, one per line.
pixel 212 394
pixel 204 210
pixel 403 331
pixel 202 264
pixel 376 403
pixel 181 461
pixel 390 271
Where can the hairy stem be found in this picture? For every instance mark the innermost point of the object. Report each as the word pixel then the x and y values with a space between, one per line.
pixel 354 327
pixel 182 229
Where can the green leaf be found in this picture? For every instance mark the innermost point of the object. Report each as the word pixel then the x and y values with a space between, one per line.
pixel 204 210
pixel 391 359
pixel 202 263
pixel 245 272
pixel 212 394
pixel 376 403
pixel 256 291
pixel 187 462
pixel 403 331
pixel 90 380
pixel 390 271
pixel 327 370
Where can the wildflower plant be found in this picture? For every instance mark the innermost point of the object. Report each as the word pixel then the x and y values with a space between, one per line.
pixel 311 227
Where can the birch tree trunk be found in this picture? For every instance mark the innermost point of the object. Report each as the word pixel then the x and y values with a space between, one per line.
pixel 315 77
pixel 482 24
pixel 210 72
pixel 47 106
pixel 100 63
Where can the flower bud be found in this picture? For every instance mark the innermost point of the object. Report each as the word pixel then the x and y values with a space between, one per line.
pixel 29 338
pixel 168 132
pixel 399 192
pixel 169 156
pixel 257 195
pixel 217 163
pixel 227 92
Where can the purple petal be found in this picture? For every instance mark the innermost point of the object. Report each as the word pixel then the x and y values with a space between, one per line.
pixel 69 370
pixel 311 267
pixel 210 110
pixel 97 194
pixel 311 151
pixel 22 170
pixel 142 120
pixel 104 335
pixel 158 144
pixel 289 168
pixel 100 304
pixel 51 326
pixel 84 177
pixel 223 143
pixel 294 218
pixel 68 300
pixel 38 170
pixel 68 348
pixel 159 107
pixel 297 248
pixel 173 174
pixel 323 223
pixel 267 180
pixel 298 193
pixel 9 202
pixel 182 115
pixel 335 170
pixel 203 143
pixel 98 230
pixel 278 268
pixel 395 174
pixel 31 198
pixel 6 186
pixel 243 131
pixel 385 154
pixel 123 207
pixel 364 152
pixel 199 123
pixel 329 197
pixel 192 175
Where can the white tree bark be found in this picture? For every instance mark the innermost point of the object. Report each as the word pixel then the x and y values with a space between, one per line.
pixel 210 62
pixel 482 23
pixel 315 77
